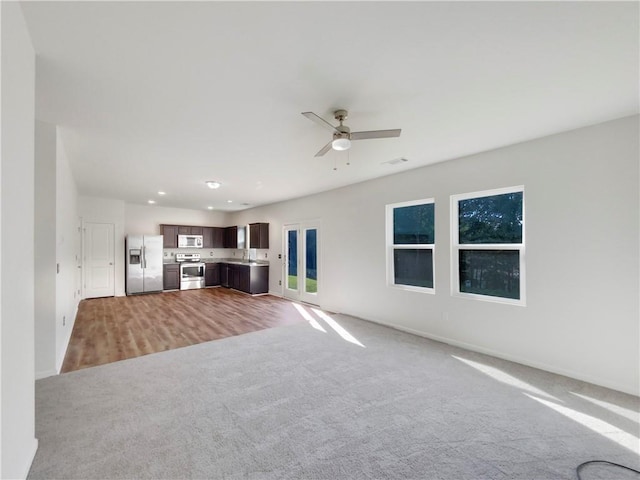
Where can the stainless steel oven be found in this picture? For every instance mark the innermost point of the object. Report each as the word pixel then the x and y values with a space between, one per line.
pixel 191 271
pixel 191 275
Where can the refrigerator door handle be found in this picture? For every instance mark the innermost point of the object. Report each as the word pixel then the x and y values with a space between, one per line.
pixel 144 257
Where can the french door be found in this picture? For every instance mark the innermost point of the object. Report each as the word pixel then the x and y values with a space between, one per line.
pixel 302 262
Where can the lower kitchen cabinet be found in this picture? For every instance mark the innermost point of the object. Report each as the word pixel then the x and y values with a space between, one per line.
pixel 258 280
pixel 211 274
pixel 246 278
pixel 171 276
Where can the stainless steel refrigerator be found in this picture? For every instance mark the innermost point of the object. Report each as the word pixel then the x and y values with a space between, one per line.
pixel 144 263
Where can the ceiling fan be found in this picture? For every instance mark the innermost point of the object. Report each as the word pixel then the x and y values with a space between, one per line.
pixel 342 135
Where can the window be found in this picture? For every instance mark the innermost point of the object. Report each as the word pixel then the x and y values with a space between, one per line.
pixel 488 245
pixel 410 244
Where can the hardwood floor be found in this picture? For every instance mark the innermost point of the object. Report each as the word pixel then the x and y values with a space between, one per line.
pixel 115 328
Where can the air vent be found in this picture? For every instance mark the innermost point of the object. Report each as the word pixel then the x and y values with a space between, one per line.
pixel 395 161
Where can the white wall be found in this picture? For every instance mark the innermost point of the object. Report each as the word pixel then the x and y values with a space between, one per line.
pixel 45 249
pixel 106 210
pixel 146 220
pixel 582 234
pixel 17 439
pixel 57 251
pixel 68 250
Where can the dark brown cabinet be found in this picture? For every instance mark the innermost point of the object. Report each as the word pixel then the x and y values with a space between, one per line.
pixel 218 237
pixel 212 274
pixel 207 237
pixel 169 236
pixel 234 277
pixel 257 280
pixel 187 230
pixel 246 278
pixel 231 237
pixel 171 276
pixel 258 235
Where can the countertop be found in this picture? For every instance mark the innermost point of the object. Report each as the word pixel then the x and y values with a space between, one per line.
pixel 235 261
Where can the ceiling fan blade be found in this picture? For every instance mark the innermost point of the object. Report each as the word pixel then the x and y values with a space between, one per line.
pixel 320 121
pixel 324 150
pixel 375 134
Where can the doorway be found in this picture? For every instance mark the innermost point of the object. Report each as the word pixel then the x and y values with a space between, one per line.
pixel 99 269
pixel 302 262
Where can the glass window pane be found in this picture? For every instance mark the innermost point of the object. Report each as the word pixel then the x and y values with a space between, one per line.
pixel 292 255
pixel 490 272
pixel 413 266
pixel 492 219
pixel 413 225
pixel 311 275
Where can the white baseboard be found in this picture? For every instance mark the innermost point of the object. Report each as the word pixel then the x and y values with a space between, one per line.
pixel 512 358
pixel 32 456
pixel 46 373
pixel 63 353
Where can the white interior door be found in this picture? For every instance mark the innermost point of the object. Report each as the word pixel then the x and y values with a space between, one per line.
pixel 99 257
pixel 302 262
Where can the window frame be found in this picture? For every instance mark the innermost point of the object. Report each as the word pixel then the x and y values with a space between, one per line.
pixel 391 247
pixel 456 246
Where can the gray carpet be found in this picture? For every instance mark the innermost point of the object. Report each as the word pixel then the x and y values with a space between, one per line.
pixel 298 403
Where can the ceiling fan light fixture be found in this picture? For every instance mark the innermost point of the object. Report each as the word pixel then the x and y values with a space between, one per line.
pixel 341 144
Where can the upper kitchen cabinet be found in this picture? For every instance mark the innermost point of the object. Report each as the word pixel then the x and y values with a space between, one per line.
pixel 258 235
pixel 170 236
pixel 231 237
pixel 187 230
pixel 218 237
pixel 207 237
pixel 213 237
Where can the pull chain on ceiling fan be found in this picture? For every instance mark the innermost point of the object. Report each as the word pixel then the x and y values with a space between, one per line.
pixel 342 135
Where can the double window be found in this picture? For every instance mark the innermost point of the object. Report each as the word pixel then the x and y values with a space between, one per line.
pixel 488 245
pixel 410 245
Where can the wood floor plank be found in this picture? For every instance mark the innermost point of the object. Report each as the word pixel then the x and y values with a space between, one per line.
pixel 116 328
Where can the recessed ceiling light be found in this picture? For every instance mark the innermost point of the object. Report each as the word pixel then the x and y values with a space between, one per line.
pixel 229 201
pixel 210 208
pixel 151 201
pixel 162 193
pixel 212 184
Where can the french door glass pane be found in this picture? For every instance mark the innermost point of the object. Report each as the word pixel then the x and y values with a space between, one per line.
pixel 292 255
pixel 413 266
pixel 311 259
pixel 490 272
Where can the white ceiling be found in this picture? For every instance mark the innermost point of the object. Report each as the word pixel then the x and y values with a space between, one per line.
pixel 164 96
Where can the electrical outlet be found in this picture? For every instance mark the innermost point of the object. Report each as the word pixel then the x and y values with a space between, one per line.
pixel 266 255
pixel 279 282
pixel 211 254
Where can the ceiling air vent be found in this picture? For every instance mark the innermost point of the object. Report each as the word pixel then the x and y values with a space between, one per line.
pixel 395 161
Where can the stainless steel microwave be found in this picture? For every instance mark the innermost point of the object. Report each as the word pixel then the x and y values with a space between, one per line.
pixel 189 241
